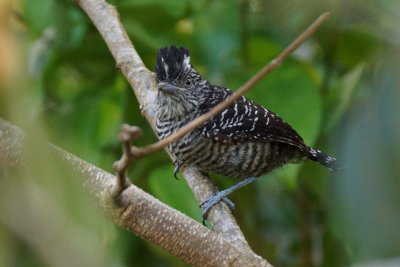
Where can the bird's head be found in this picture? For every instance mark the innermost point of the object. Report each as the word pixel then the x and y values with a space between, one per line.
pixel 181 88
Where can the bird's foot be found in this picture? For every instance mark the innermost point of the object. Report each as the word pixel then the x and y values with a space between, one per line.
pixel 207 204
pixel 210 202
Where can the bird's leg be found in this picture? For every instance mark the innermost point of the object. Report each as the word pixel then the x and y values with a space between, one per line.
pixel 177 168
pixel 207 204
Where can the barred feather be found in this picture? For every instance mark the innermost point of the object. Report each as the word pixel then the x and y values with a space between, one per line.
pixel 245 120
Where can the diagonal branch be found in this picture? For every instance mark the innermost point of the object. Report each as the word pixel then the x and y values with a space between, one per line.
pixel 138 212
pixel 106 19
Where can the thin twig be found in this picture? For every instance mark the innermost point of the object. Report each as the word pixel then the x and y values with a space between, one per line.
pixel 273 64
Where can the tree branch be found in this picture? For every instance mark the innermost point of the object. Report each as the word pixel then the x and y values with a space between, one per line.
pixel 138 212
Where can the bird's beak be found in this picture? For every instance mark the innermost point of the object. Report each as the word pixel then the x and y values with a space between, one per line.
pixel 167 88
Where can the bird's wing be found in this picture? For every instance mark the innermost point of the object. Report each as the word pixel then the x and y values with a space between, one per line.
pixel 245 120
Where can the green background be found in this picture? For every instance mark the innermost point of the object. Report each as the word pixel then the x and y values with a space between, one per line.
pixel 340 91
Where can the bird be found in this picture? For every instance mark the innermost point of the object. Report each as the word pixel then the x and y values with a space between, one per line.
pixel 244 141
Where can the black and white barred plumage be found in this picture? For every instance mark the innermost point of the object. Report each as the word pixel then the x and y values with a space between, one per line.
pixel 244 140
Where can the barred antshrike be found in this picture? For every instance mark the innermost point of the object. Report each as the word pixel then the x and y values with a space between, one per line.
pixel 244 141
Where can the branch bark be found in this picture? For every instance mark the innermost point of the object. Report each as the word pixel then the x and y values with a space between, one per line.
pixel 139 212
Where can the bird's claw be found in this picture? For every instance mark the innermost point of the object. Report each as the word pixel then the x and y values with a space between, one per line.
pixel 207 204
pixel 210 202
pixel 177 168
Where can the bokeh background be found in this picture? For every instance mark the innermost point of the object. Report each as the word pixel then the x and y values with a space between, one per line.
pixel 340 90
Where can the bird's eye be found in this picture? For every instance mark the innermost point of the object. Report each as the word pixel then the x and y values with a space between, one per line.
pixel 188 82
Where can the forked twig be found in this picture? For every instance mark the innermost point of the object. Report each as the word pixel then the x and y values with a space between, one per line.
pixel 141 213
pixel 126 136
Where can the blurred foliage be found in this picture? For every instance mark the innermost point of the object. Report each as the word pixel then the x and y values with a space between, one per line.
pixel 340 90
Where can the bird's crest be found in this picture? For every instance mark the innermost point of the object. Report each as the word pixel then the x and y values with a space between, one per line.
pixel 171 62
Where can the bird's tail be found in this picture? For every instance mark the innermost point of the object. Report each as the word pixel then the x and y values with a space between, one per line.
pixel 323 159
